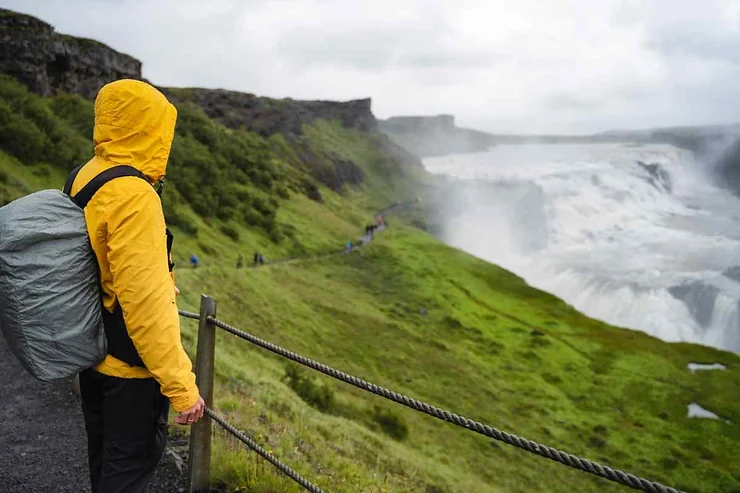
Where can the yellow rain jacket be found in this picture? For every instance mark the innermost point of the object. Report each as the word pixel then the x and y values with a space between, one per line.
pixel 135 125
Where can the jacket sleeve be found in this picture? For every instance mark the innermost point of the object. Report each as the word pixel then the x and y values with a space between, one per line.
pixel 137 253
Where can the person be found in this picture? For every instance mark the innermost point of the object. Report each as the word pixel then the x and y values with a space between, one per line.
pixel 379 219
pixel 126 397
pixel 262 259
pixel 240 261
pixel 256 258
pixel 194 261
pixel 349 246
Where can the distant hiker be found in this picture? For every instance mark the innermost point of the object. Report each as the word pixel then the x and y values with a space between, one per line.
pixel 194 261
pixel 349 246
pixel 240 261
pixel 261 259
pixel 379 219
pixel 126 397
pixel 256 258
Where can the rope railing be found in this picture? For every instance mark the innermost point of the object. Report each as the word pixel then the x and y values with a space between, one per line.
pixel 199 459
pixel 546 451
pixel 263 453
pixel 187 314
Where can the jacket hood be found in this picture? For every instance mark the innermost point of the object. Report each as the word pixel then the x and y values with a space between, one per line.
pixel 134 125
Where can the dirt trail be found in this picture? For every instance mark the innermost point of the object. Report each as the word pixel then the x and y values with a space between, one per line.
pixel 42 437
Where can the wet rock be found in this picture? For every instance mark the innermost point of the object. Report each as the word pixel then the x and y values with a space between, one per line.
pixel 659 177
pixel 733 273
pixel 699 299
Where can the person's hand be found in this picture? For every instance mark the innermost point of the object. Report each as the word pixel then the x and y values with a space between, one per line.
pixel 193 414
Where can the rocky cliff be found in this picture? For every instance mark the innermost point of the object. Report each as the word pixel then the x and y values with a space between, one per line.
pixel 434 135
pixel 269 116
pixel 48 62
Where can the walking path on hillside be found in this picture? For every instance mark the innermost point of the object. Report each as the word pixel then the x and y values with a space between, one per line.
pixel 43 446
pixel 363 241
pixel 42 431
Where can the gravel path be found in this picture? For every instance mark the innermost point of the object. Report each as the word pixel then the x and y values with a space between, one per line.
pixel 42 437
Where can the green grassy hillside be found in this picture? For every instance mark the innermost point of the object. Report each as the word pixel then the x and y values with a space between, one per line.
pixel 406 312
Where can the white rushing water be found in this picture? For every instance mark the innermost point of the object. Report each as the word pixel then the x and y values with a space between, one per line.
pixel 637 236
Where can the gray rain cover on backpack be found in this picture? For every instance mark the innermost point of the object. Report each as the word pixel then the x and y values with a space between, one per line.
pixel 50 307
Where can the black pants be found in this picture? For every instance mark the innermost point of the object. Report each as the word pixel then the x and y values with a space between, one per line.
pixel 126 422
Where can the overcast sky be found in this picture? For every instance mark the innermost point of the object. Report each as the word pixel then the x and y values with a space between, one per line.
pixel 566 66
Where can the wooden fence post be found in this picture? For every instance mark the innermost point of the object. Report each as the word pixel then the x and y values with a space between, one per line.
pixel 199 459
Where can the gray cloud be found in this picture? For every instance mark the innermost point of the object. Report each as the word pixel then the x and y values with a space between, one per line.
pixel 525 66
pixel 704 44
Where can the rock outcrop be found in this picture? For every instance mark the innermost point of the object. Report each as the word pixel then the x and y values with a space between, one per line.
pixel 48 62
pixel 658 176
pixel 270 116
pixel 434 135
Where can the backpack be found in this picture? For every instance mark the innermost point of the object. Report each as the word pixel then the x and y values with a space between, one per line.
pixel 50 303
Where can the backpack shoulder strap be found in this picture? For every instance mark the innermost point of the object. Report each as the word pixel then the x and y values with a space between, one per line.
pixel 70 181
pixel 82 197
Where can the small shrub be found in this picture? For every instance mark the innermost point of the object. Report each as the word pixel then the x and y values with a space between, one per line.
pixel 33 132
pixel 319 396
pixel 261 179
pixel 596 442
pixel 230 231
pixel 207 249
pixel 174 215
pixel 276 234
pixel 20 136
pixel 7 195
pixel 77 111
pixel 282 192
pixel 42 171
pixel 225 213
pixel 262 206
pixel 391 423
pixel 288 230
pixel 252 217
